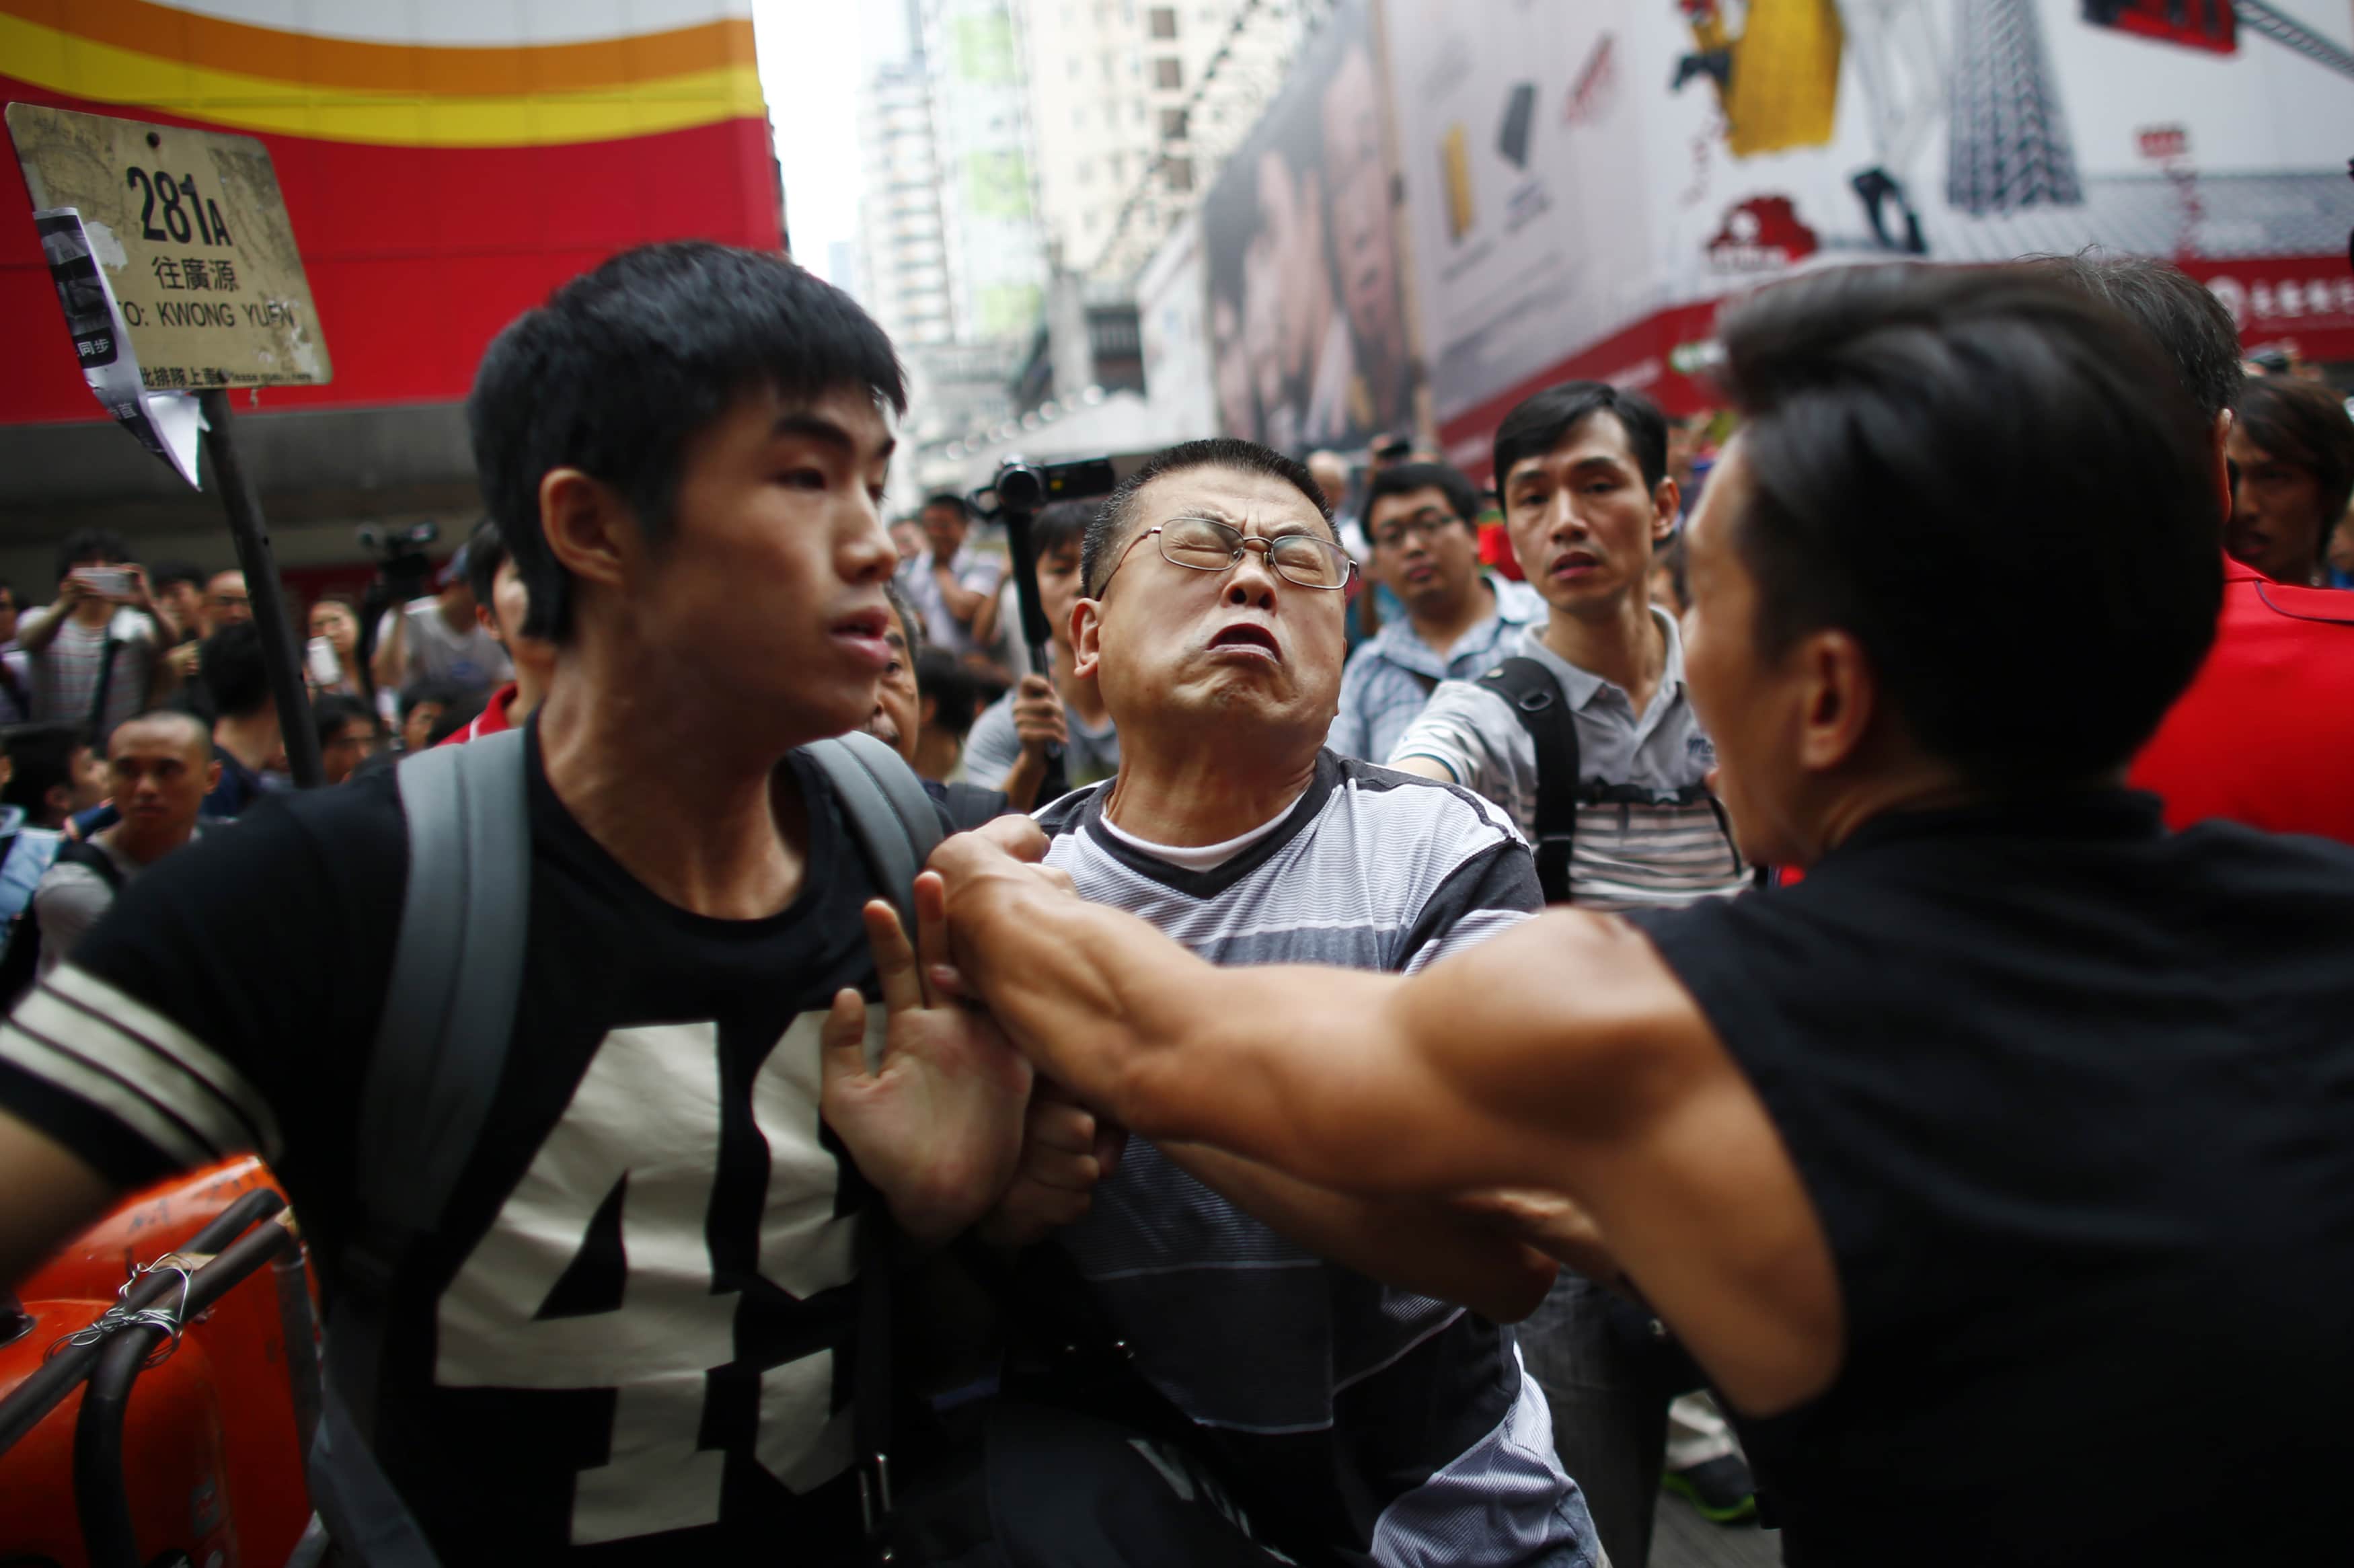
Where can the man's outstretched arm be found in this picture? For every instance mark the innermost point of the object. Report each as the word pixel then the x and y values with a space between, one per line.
pixel 53 1194
pixel 1563 1057
pixel 1347 1080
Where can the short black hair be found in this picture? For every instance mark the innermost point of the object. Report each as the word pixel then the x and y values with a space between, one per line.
pixel 2176 309
pixel 430 689
pixel 92 548
pixel 1909 432
pixel 200 733
pixel 40 757
pixel 1462 495
pixel 1543 420
pixel 332 711
pixel 2303 424
pixel 487 552
pixel 457 716
pixel 170 574
pixel 911 624
pixel 235 675
pixel 949 499
pixel 955 695
pixel 1061 524
pixel 624 365
pixel 1110 530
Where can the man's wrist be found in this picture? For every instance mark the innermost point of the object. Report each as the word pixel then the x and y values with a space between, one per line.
pixel 934 1220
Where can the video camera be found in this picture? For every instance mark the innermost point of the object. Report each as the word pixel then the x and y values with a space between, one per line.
pixel 400 562
pixel 1017 495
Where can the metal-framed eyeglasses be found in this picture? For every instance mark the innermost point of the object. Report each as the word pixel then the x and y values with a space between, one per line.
pixel 1429 523
pixel 1207 545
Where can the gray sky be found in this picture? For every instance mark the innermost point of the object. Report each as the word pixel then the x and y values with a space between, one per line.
pixel 814 54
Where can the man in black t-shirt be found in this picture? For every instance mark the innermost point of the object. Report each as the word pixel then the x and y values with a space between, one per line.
pixel 2020 1119
pixel 633 1334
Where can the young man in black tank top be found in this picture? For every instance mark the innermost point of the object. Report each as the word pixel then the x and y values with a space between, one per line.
pixel 2018 1118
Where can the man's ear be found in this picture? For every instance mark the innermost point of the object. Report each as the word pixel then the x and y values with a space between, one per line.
pixel 1086 637
pixel 58 797
pixel 489 622
pixel 212 776
pixel 1667 505
pixel 590 530
pixel 1839 696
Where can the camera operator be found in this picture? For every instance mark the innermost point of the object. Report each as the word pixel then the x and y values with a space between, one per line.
pixel 1007 747
pixel 440 639
pixel 97 654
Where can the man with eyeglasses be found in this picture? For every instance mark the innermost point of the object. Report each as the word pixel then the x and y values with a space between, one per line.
pixel 1420 520
pixel 1312 1341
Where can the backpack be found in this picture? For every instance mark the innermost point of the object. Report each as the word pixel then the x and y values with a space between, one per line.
pixel 20 964
pixel 441 1044
pixel 1537 702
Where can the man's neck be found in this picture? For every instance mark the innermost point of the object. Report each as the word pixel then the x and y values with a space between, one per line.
pixel 1191 793
pixel 1442 629
pixel 1903 782
pixel 1622 643
pixel 665 782
pixel 531 684
pixel 253 738
pixel 94 614
pixel 459 620
pixel 139 849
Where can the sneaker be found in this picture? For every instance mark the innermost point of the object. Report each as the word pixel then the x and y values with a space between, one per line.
pixel 1720 1488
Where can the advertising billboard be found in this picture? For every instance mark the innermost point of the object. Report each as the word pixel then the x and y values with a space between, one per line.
pixel 1584 184
pixel 444 165
pixel 1306 324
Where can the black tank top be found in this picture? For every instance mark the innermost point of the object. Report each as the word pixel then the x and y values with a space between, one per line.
pixel 2073 1098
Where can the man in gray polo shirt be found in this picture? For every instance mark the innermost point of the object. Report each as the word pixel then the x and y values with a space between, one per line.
pixel 1582 469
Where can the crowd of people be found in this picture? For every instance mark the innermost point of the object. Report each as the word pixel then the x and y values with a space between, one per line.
pixel 1644 974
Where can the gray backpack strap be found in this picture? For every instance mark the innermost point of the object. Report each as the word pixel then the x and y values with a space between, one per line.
pixel 456 970
pixel 440 1045
pixel 886 809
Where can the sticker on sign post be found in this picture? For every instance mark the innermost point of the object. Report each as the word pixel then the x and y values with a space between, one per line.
pixel 166 423
pixel 187 235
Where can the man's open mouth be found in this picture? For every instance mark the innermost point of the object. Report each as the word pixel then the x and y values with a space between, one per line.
pixel 1250 635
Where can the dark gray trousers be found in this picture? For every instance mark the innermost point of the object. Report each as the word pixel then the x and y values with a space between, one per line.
pixel 1609 1411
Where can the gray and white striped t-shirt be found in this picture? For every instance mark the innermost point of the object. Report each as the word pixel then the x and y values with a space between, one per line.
pixel 1662 849
pixel 1405 1424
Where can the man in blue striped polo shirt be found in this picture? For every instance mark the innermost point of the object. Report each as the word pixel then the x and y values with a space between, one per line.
pixel 1421 520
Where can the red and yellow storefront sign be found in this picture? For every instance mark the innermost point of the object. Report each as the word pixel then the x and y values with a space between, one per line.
pixel 446 163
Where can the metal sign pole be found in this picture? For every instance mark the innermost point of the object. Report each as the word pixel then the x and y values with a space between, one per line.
pixel 261 587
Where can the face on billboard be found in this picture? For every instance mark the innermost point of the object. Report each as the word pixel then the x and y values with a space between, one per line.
pixel 1362 249
pixel 1237 409
pixel 1293 226
pixel 1298 245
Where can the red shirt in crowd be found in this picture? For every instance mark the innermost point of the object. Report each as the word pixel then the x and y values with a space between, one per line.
pixel 491 720
pixel 2265 733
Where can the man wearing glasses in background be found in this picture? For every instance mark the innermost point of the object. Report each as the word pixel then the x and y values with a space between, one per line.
pixel 1420 520
pixel 1312 1341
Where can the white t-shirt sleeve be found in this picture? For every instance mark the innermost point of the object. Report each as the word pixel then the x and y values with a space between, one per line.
pixel 1473 733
